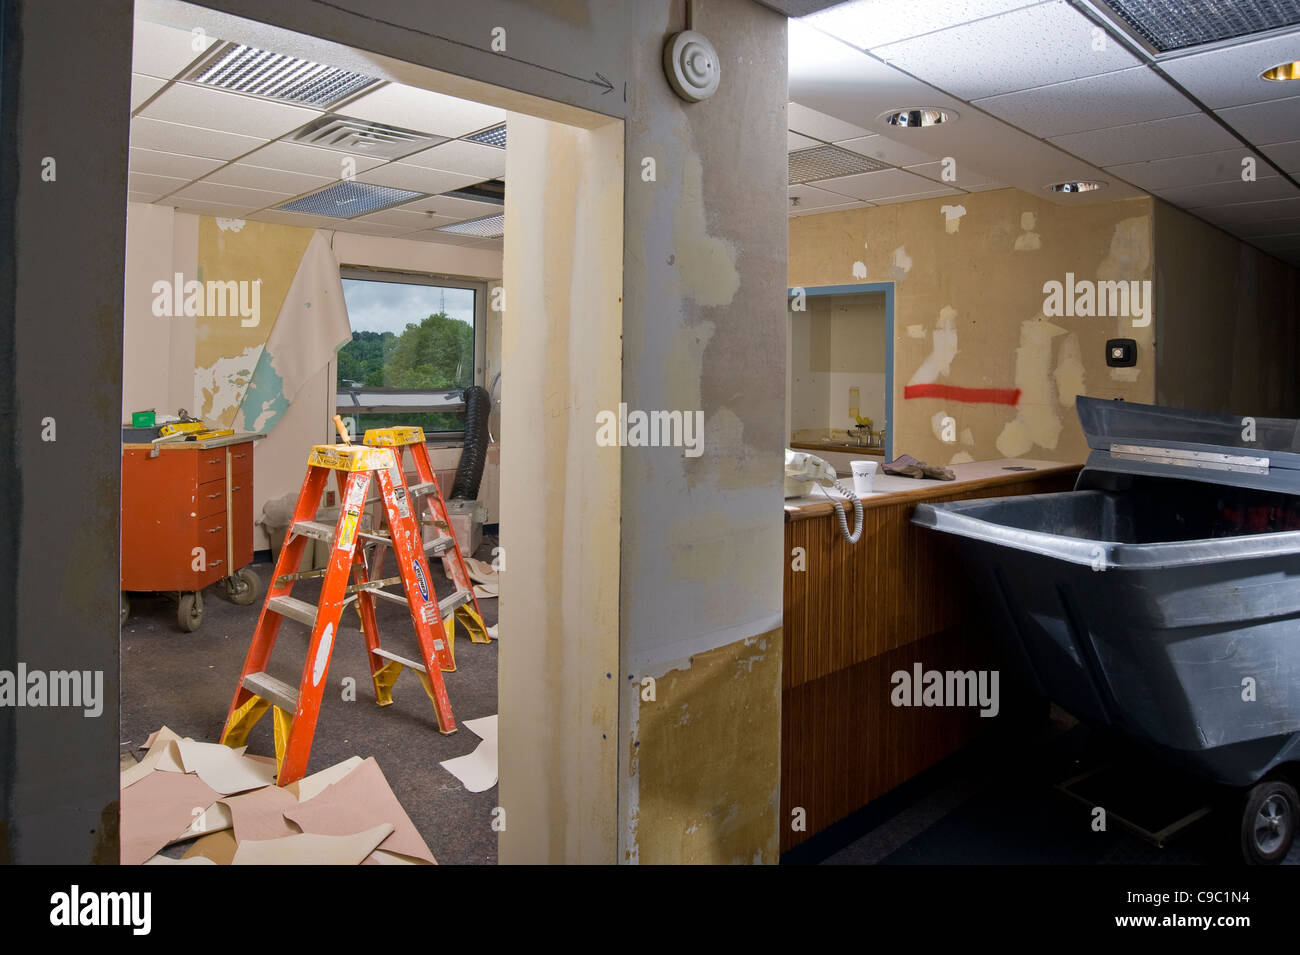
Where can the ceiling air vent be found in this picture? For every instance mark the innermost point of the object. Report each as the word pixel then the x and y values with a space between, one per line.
pixel 491 190
pixel 489 227
pixel 244 69
pixel 349 135
pixel 348 199
pixel 828 162
pixel 493 136
pixel 1167 25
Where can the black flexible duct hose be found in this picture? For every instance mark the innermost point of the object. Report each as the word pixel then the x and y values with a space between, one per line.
pixel 478 404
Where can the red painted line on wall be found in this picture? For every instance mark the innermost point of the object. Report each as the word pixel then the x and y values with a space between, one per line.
pixel 974 396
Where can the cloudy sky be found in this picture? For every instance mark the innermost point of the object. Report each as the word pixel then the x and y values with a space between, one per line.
pixel 391 306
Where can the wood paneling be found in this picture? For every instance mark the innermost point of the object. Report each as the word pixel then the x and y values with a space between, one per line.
pixel 856 614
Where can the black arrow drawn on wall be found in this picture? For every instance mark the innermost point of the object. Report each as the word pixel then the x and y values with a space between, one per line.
pixel 600 81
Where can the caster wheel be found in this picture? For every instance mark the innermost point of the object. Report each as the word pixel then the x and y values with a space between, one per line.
pixel 1268 822
pixel 243 587
pixel 125 608
pixel 189 612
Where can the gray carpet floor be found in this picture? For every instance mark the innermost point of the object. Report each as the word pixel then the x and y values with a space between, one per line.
pixel 186 681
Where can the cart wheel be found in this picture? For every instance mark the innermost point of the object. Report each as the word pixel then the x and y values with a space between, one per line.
pixel 189 613
pixel 126 608
pixel 1268 822
pixel 243 587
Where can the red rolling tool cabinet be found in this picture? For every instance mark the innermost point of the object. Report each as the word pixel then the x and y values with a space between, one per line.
pixel 187 521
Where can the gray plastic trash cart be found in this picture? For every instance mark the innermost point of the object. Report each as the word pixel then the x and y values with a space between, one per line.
pixel 1161 597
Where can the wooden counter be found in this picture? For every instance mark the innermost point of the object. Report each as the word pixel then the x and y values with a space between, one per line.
pixel 859 612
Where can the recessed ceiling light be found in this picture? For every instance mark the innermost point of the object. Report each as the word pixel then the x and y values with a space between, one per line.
pixel 487 227
pixel 918 116
pixel 1282 72
pixel 245 69
pixel 349 199
pixel 1080 185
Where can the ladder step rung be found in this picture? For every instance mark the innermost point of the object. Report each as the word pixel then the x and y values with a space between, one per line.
pixel 421 489
pixel 446 607
pixel 390 655
pixel 273 690
pixel 294 609
pixel 315 529
pixel 439 544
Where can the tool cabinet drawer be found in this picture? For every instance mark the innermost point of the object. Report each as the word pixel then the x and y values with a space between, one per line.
pixel 210 498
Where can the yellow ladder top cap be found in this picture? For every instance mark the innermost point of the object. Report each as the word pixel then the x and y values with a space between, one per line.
pixel 349 457
pixel 394 437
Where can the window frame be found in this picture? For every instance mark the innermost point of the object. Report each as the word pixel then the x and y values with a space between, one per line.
pixel 364 273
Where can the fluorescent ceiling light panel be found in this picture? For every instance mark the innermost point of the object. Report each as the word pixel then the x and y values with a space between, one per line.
pixel 493 136
pixel 827 162
pixel 489 227
pixel 245 69
pixel 1180 24
pixel 348 199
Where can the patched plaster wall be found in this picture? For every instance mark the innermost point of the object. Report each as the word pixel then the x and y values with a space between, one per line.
pixel 970 314
pixel 704 329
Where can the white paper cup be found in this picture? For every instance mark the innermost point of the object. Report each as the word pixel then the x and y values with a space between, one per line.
pixel 864 475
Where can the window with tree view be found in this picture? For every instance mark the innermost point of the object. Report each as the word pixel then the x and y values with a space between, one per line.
pixel 411 354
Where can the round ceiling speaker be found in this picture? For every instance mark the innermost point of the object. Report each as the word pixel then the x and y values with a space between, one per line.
pixel 692 66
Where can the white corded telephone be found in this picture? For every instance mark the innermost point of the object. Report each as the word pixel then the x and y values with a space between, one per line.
pixel 805 471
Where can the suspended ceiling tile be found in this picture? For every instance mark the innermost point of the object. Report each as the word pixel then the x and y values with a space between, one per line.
pixel 1193 170
pixel 309 160
pixel 884 185
pixel 806 197
pixel 410 221
pixel 795 141
pixel 1032 47
pixel 1139 142
pixel 232 195
pixel 373 228
pixel 189 140
pixel 139 196
pixel 153 185
pixel 1098 102
pixel 219 209
pixel 416 178
pixel 889 150
pixel 456 209
pixel 986 187
pixel 421 110
pixel 163 51
pixel 966 178
pixel 1254 218
pixel 818 125
pixel 796 212
pixel 1222 193
pixel 269 180
pixel 1264 123
pixel 299 219
pixel 1286 155
pixel 868 24
pixel 1230 76
pixel 471 159
pixel 156 163
pixel 227 112
pixel 142 87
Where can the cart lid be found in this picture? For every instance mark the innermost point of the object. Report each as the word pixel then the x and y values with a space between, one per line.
pixel 1193 445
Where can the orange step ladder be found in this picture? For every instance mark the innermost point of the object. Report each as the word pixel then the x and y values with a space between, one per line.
pixel 295 711
pixel 427 491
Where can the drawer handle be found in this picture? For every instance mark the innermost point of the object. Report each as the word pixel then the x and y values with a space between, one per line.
pixel 237 487
pixel 214 460
pixel 217 530
pixel 213 496
pixel 215 563
pixel 243 454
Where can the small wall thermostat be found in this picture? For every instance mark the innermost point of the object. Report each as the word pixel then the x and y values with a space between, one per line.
pixel 1121 352
pixel 691 65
